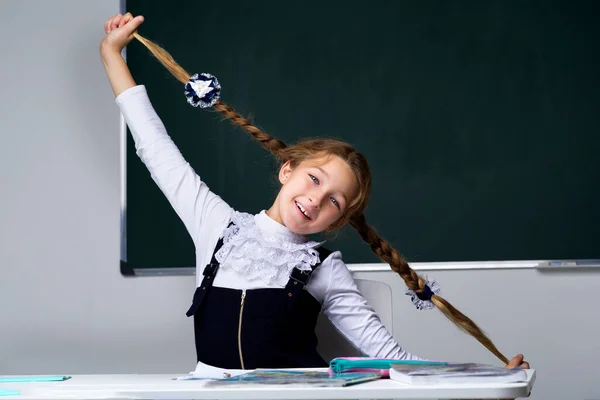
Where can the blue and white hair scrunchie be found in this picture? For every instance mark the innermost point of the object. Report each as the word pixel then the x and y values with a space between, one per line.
pixel 423 300
pixel 202 90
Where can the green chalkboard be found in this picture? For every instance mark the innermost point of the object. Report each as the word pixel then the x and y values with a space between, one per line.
pixel 480 119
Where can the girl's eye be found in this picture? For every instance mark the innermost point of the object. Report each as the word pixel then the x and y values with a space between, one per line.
pixel 314 178
pixel 335 202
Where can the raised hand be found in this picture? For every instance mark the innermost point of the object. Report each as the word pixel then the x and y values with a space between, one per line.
pixel 119 31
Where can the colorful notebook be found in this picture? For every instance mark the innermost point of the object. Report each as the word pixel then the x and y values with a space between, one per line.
pixel 34 378
pixel 7 392
pixel 380 366
pixel 296 377
pixel 456 373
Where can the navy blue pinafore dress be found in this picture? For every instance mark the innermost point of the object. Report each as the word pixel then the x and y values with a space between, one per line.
pixel 256 328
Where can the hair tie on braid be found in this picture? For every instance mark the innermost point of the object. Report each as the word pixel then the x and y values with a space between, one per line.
pixel 202 90
pixel 423 300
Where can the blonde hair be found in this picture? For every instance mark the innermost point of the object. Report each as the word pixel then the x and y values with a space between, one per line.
pixel 313 148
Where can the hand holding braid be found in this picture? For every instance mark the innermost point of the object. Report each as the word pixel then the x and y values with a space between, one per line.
pixel 357 219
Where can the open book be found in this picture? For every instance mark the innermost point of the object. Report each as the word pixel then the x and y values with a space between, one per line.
pixel 455 373
pixel 293 376
pixel 296 377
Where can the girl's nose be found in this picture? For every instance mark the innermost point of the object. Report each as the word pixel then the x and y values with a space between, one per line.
pixel 316 201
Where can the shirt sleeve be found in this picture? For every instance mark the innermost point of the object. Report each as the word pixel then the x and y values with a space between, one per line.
pixel 191 198
pixel 349 312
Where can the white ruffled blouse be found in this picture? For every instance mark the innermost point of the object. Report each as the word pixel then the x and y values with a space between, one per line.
pixel 257 247
pixel 259 252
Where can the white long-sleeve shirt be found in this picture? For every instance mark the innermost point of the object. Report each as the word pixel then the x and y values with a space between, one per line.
pixel 205 216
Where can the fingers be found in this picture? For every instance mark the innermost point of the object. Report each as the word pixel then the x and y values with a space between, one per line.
pixel 119 21
pixel 109 25
pixel 126 18
pixel 115 22
pixel 515 361
pixel 132 25
pixel 518 362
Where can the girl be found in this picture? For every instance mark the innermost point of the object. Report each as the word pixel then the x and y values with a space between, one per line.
pixel 261 282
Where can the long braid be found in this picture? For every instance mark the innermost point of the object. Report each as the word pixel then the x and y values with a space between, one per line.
pixel 165 59
pixel 267 141
pixel 414 282
pixel 381 247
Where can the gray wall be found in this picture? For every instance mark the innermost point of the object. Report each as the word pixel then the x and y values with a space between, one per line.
pixel 65 308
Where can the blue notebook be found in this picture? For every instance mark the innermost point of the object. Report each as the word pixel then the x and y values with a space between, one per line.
pixel 7 392
pixel 40 378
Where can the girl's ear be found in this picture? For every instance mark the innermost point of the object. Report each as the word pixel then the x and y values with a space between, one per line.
pixel 285 172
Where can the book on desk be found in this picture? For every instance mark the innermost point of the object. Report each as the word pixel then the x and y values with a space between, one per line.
pixel 300 378
pixel 455 373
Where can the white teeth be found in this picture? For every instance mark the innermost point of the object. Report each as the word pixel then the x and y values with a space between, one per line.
pixel 302 209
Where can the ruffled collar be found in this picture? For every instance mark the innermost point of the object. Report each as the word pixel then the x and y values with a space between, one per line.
pixel 257 246
pixel 270 227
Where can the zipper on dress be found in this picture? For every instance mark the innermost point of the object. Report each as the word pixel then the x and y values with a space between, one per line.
pixel 240 328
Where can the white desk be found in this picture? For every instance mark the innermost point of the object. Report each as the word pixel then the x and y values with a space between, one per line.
pixel 163 387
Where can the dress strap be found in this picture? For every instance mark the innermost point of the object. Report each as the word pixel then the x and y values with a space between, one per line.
pixel 299 279
pixel 209 276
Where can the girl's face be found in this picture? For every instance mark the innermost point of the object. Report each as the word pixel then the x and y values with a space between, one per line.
pixel 313 195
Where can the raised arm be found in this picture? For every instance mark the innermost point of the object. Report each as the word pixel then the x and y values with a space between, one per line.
pixel 119 32
pixel 198 208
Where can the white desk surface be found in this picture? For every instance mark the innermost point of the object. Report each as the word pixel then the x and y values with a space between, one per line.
pixel 164 387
